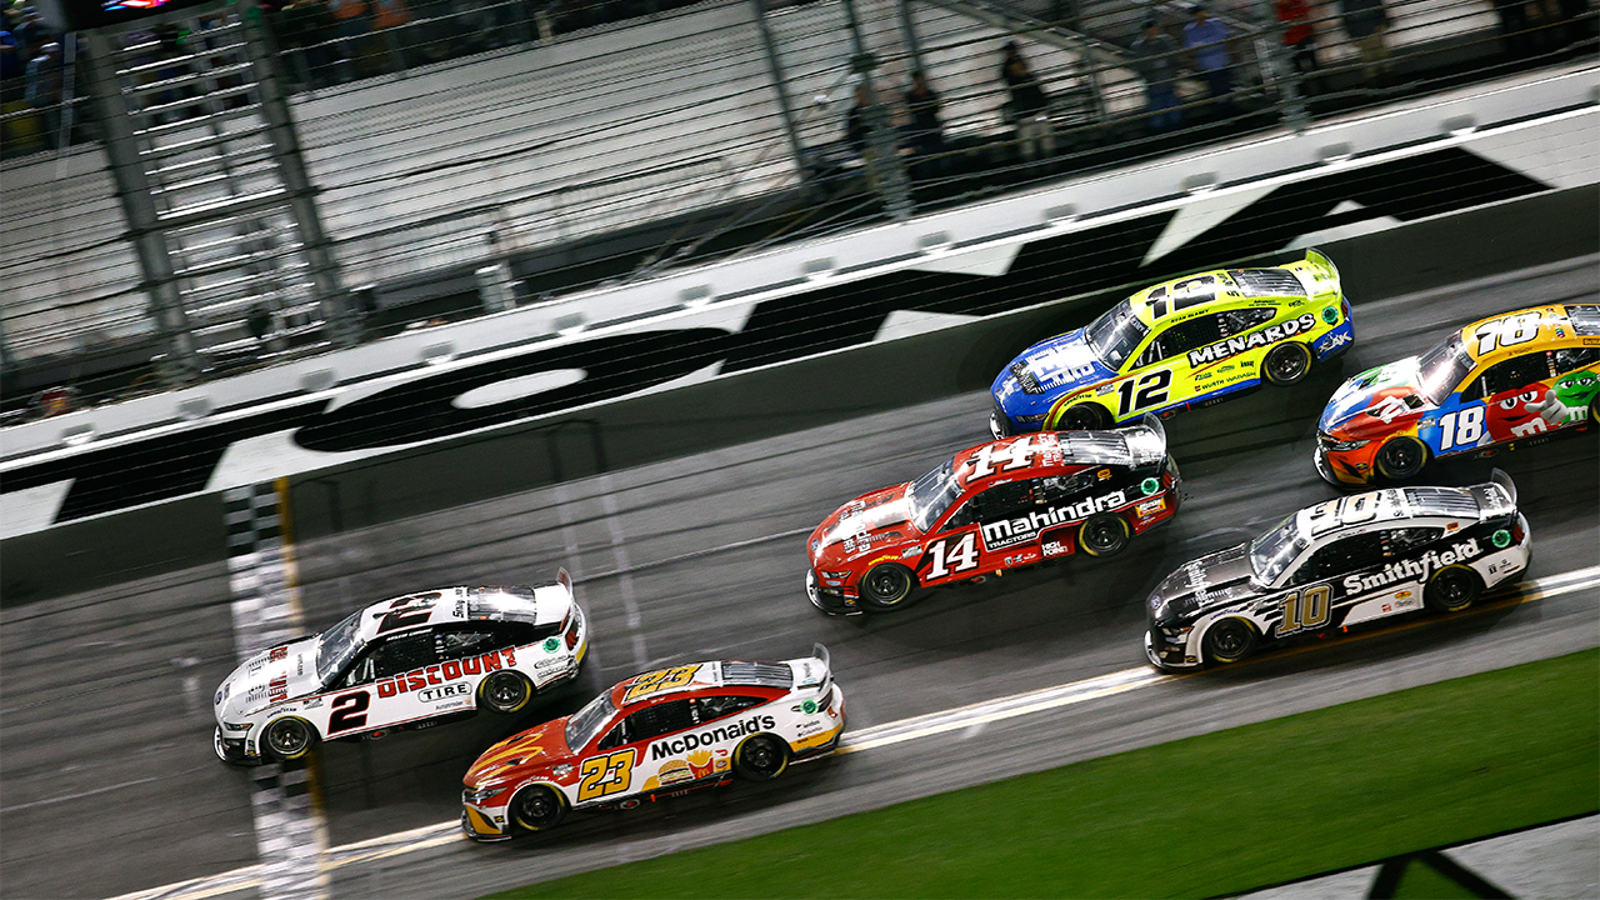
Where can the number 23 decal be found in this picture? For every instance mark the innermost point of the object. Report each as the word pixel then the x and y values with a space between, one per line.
pixel 1152 390
pixel 606 775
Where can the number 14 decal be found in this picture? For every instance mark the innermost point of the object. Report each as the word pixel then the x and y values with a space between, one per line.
pixel 960 558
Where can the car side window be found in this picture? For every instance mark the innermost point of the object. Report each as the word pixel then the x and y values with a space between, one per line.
pixel 709 709
pixel 1007 501
pixel 1574 358
pixel 1183 337
pixel 460 643
pixel 1236 321
pixel 403 653
pixel 965 515
pixel 1399 540
pixel 1344 555
pixel 1512 374
pixel 662 718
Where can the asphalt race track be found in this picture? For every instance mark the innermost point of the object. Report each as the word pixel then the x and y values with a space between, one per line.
pixel 111 785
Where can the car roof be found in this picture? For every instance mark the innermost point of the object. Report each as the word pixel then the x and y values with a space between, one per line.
pixel 1558 324
pixel 1041 453
pixel 1217 289
pixel 513 603
pixel 1355 513
pixel 653 686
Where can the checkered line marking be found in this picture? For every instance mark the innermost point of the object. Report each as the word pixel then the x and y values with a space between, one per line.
pixel 291 836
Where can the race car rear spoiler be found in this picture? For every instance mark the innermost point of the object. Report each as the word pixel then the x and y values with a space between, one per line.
pixel 1147 440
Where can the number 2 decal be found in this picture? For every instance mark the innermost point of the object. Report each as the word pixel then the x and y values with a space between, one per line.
pixel 1152 390
pixel 606 775
pixel 960 558
pixel 349 711
pixel 1461 429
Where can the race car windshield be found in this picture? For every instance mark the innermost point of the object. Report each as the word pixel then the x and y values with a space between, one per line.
pixel 1115 335
pixel 1442 368
pixel 337 646
pixel 1271 552
pixel 587 721
pixel 932 494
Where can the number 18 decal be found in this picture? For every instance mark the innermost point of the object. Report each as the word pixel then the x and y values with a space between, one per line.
pixel 1511 330
pixel 606 775
pixel 1461 429
pixel 960 558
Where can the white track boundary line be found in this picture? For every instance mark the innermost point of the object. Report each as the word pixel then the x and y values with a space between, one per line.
pixel 887 734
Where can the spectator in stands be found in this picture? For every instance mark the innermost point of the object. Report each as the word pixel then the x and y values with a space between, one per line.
pixel 1206 38
pixel 389 18
pixel 1367 23
pixel 1515 38
pixel 926 137
pixel 12 63
pixel 43 91
pixel 353 25
pixel 1030 106
pixel 1301 40
pixel 855 122
pixel 1155 58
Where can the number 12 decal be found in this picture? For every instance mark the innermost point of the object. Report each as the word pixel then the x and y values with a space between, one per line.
pixel 960 558
pixel 1152 391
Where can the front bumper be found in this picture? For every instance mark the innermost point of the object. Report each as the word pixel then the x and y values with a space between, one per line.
pixel 830 603
pixel 1170 657
pixel 232 750
pixel 1337 469
pixel 476 825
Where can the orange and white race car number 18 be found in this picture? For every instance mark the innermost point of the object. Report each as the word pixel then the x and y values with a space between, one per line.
pixel 606 775
pixel 664 680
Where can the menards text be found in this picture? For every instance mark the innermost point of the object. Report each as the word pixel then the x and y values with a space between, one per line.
pixel 1235 345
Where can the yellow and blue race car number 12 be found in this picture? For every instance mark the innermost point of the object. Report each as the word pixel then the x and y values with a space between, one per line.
pixel 1189 342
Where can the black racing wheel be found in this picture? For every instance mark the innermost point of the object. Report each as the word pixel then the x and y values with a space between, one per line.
pixel 1103 534
pixel 760 757
pixel 887 586
pixel 1401 458
pixel 538 807
pixel 1229 640
pixel 1287 363
pixel 505 691
pixel 1452 589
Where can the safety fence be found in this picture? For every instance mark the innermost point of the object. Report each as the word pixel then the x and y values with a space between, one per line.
pixel 455 136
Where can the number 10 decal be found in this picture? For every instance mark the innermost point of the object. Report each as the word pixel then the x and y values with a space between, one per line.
pixel 1306 610
pixel 963 556
pixel 1152 391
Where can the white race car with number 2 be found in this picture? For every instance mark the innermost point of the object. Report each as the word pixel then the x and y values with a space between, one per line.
pixel 402 664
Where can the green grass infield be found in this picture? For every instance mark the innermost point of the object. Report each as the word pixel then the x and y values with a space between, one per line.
pixel 1208 815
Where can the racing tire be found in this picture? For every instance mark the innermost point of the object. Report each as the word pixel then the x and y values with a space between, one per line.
pixel 1084 417
pixel 1452 589
pixel 1286 363
pixel 760 757
pixel 1229 641
pixel 537 807
pixel 1401 458
pixel 1594 410
pixel 1104 534
pixel 288 738
pixel 887 586
pixel 505 692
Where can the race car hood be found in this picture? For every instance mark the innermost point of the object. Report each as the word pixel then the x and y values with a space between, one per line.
pixel 867 522
pixel 271 676
pixel 1376 401
pixel 520 755
pixel 1030 383
pixel 1219 579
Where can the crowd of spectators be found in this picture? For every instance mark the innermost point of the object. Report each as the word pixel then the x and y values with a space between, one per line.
pixel 32 72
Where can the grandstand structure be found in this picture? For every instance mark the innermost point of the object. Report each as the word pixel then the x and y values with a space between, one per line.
pixel 228 190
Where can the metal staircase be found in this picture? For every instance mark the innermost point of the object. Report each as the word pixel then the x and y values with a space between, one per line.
pixel 215 191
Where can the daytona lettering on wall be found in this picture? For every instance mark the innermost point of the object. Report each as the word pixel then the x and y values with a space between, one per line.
pixel 304 436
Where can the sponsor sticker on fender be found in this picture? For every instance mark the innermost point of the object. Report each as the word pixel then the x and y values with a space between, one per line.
pixel 1236 345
